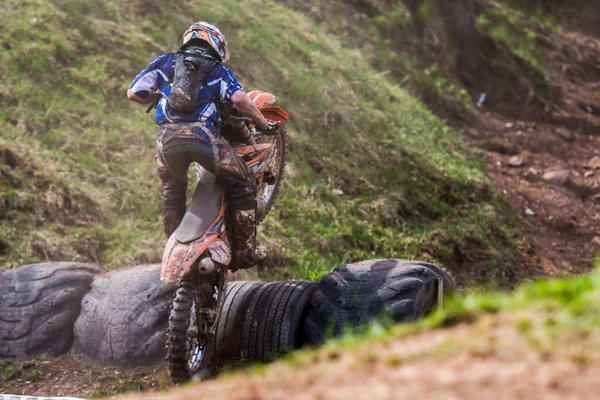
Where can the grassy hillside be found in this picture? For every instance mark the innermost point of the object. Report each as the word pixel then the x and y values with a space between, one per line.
pixel 371 173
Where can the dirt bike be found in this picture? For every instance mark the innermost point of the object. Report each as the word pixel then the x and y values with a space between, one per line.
pixel 197 255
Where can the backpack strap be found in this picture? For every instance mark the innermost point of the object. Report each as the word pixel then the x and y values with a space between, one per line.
pixel 217 95
pixel 155 103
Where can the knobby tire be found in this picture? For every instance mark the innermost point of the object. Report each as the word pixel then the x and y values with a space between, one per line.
pixel 282 136
pixel 179 317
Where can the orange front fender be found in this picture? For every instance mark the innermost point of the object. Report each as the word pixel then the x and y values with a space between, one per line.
pixel 275 114
pixel 178 257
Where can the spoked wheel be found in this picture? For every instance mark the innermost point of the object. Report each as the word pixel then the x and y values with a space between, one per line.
pixel 190 332
pixel 275 164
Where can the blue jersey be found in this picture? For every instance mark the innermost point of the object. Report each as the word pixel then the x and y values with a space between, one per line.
pixel 161 71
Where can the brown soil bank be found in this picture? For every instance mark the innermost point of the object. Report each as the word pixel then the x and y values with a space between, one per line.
pixel 543 150
pixel 539 126
pixel 498 360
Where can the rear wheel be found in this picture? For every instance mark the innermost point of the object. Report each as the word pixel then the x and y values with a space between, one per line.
pixel 275 165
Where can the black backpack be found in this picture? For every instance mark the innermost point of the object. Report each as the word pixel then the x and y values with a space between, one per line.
pixel 191 67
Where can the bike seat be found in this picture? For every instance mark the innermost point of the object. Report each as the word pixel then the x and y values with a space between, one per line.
pixel 206 207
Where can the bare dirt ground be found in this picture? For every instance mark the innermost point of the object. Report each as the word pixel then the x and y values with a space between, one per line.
pixel 547 165
pixel 488 359
pixel 64 376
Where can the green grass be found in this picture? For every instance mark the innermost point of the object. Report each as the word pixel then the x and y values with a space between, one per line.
pixel 560 306
pixel 11 371
pixel 537 11
pixel 117 383
pixel 86 188
pixel 510 27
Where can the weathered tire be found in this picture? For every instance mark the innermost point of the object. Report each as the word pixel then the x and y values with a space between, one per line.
pixel 177 334
pixel 39 305
pixel 273 320
pixel 129 304
pixel 227 346
pixel 356 293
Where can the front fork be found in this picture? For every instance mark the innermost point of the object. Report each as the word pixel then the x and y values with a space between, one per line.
pixel 213 275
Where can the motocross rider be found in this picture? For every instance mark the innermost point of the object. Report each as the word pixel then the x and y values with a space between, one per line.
pixel 195 137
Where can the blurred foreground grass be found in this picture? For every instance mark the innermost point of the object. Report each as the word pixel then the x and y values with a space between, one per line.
pixel 542 341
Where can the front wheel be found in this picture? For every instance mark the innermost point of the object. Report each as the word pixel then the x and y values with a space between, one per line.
pixel 192 316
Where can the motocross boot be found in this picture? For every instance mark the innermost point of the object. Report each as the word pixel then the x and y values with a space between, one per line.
pixel 245 252
pixel 171 220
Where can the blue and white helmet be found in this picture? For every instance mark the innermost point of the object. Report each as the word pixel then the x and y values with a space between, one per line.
pixel 209 33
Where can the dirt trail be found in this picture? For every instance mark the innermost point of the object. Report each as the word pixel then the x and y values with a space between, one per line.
pixel 66 377
pixel 493 354
pixel 547 166
pixel 464 362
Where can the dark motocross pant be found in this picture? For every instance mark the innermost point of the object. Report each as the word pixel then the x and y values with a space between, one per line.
pixel 182 144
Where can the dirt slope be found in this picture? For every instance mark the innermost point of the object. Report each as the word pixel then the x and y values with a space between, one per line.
pixel 425 366
pixel 546 164
pixel 541 74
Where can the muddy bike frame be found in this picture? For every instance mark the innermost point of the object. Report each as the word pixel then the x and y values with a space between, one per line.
pixel 203 228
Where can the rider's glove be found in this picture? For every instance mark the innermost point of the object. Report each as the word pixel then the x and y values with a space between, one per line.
pixel 273 127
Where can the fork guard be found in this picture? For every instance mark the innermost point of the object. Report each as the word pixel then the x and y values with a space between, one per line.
pixel 179 258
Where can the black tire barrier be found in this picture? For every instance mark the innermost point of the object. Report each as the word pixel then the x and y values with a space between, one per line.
pixel 273 321
pixel 225 350
pixel 229 333
pixel 354 294
pixel 121 317
pixel 39 305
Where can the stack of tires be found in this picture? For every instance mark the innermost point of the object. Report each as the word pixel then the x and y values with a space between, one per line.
pixel 262 320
